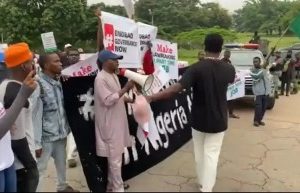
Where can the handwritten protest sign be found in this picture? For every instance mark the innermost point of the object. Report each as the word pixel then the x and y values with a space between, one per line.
pixel 165 55
pixel 237 89
pixel 121 37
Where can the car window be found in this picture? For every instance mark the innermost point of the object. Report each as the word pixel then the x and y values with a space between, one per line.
pixel 244 58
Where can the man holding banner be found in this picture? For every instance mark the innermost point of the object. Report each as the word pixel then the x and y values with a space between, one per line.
pixel 111 124
pixel 209 79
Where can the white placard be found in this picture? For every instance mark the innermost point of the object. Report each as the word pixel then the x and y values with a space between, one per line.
pixel 165 54
pixel 237 89
pixel 146 33
pixel 49 42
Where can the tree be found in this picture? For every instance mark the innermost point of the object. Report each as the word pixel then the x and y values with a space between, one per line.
pixel 175 16
pixel 261 15
pixel 26 20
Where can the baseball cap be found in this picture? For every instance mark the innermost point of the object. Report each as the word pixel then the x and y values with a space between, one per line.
pixel 68 45
pixel 1 57
pixel 17 54
pixel 105 55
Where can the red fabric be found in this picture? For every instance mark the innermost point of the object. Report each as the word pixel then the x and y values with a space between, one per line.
pixel 148 65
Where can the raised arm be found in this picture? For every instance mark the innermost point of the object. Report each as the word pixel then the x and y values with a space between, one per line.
pixel 12 113
pixel 100 44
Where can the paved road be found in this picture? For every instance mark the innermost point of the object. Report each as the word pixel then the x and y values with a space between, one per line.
pixel 252 159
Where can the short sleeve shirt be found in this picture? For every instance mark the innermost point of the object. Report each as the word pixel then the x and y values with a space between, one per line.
pixel 209 79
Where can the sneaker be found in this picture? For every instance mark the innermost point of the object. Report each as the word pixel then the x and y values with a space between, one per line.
pixel 68 189
pixel 256 124
pixel 72 163
pixel 262 123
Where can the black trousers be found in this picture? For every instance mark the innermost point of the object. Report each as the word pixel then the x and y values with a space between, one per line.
pixel 285 83
pixel 27 179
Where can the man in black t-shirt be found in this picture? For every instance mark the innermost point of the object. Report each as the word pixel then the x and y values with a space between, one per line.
pixel 226 59
pixel 209 79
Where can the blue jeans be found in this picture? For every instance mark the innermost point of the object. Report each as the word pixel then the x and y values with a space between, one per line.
pixel 56 150
pixel 8 180
pixel 261 103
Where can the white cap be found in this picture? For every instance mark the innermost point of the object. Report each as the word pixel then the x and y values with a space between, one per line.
pixel 68 45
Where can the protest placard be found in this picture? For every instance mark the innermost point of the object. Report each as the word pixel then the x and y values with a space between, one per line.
pixel 237 89
pixel 49 42
pixel 146 33
pixel 165 55
pixel 121 37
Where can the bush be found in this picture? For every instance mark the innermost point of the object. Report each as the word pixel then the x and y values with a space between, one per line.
pixel 195 39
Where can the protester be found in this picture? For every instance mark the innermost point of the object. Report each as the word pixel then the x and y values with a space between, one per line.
pixel 287 73
pixel 201 55
pixel 72 58
pixel 227 60
pixel 276 71
pixel 8 179
pixel 80 50
pixel 295 73
pixel 112 138
pixel 148 65
pixel 3 72
pixel 52 138
pixel 209 79
pixel 19 61
pixel 67 47
pixel 297 65
pixel 261 90
pixel 255 39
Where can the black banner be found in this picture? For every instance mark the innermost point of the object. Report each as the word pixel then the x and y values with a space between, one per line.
pixel 170 130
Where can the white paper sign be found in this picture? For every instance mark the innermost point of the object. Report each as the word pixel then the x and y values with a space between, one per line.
pixel 146 33
pixel 237 89
pixel 161 78
pixel 121 37
pixel 165 55
pixel 49 42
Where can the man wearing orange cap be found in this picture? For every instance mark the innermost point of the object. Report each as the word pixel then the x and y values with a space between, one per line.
pixel 19 62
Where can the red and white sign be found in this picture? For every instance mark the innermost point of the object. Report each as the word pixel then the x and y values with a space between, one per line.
pixel 121 37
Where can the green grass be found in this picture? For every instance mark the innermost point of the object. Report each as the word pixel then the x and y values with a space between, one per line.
pixel 191 55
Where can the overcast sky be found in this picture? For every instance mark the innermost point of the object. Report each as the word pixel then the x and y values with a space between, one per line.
pixel 231 5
